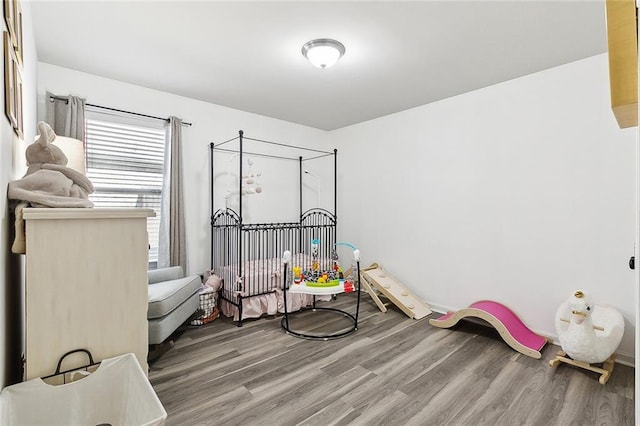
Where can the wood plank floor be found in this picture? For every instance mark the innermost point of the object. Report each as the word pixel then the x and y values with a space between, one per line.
pixel 392 371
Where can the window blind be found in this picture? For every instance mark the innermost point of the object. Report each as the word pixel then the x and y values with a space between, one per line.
pixel 125 161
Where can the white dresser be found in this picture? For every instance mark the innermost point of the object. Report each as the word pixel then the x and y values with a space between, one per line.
pixel 86 285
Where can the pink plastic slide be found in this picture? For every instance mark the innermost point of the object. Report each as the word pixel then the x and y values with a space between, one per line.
pixel 511 329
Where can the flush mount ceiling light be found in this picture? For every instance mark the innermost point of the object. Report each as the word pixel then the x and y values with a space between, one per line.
pixel 323 52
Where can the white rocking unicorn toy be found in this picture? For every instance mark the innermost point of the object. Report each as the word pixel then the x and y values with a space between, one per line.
pixel 588 333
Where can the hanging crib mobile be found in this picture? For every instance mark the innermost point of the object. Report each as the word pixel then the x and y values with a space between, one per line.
pixel 250 181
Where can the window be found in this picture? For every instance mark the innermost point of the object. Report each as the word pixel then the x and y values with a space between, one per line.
pixel 125 160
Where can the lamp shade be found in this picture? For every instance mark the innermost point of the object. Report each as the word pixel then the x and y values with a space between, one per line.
pixel 323 52
pixel 74 150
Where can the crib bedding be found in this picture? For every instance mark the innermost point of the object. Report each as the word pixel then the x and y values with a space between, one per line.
pixel 264 275
pixel 269 304
pixel 261 287
pixel 258 276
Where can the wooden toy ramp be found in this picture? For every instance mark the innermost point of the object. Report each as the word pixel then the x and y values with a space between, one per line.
pixel 512 330
pixel 374 277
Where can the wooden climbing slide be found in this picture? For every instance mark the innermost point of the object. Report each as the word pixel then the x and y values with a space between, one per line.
pixel 375 280
pixel 512 330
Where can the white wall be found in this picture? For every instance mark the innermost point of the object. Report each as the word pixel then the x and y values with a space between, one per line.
pixel 520 192
pixel 13 166
pixel 211 123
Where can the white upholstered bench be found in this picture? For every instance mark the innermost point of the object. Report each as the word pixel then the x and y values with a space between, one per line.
pixel 173 299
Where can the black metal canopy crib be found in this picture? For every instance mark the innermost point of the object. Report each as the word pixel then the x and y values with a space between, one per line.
pixel 247 256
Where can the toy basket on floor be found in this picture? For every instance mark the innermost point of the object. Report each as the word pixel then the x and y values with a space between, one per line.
pixel 117 392
pixel 208 302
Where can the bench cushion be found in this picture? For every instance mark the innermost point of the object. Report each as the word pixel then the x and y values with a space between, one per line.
pixel 161 328
pixel 166 296
pixel 165 274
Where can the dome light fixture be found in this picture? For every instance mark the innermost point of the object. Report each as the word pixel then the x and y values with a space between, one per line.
pixel 323 52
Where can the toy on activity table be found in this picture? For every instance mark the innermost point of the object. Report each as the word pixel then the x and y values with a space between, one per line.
pixel 325 284
pixel 337 269
pixel 315 276
pixel 315 243
pixel 356 258
pixel 349 282
pixel 332 277
pixel 588 333
pixel 512 330
pixel 297 275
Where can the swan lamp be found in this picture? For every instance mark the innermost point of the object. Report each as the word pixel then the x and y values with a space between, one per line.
pixel 588 333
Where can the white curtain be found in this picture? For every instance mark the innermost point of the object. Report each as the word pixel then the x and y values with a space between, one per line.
pixel 172 249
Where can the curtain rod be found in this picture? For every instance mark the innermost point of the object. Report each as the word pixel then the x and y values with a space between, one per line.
pixel 62 98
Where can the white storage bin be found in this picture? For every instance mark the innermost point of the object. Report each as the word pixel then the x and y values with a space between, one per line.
pixel 117 393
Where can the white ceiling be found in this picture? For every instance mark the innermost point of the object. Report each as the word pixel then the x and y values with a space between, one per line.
pixel 246 55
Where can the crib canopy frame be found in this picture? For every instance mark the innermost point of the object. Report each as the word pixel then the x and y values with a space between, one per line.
pixel 229 230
